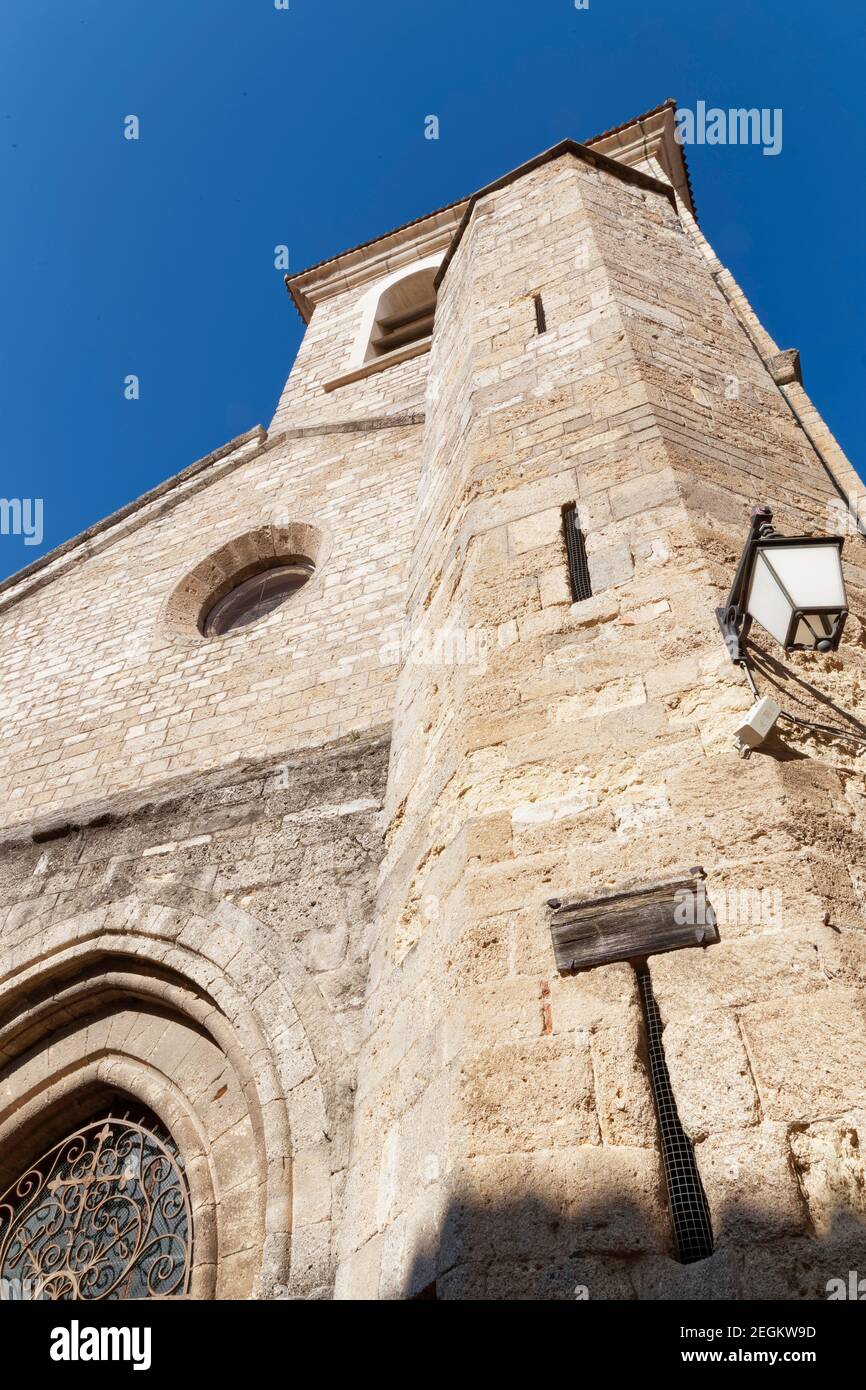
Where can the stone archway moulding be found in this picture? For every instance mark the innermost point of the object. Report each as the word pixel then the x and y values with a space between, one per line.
pixel 206 965
pixel 46 1107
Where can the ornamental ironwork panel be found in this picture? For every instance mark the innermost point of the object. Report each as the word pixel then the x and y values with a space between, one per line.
pixel 104 1215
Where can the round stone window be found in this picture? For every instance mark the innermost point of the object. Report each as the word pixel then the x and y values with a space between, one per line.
pixel 257 596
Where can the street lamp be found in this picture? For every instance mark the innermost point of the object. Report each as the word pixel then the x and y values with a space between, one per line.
pixel 791 585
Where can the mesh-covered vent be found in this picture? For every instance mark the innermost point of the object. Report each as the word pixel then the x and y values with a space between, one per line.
pixel 578 568
pixel 690 1214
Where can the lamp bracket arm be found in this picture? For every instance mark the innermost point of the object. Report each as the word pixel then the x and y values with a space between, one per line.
pixel 732 619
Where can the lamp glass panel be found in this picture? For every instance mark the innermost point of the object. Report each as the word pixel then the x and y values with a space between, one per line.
pixel 767 601
pixel 812 574
pixel 811 628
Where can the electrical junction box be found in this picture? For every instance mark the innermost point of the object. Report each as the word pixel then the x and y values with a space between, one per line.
pixel 757 723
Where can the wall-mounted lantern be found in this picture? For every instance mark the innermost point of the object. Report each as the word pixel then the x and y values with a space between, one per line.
pixel 791 585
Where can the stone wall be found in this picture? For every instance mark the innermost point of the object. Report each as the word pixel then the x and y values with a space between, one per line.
pixel 106 683
pixel 288 887
pixel 505 1144
pixel 185 892
pixel 206 954
pixel 334 295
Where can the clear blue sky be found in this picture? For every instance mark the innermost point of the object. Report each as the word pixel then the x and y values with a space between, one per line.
pixel 306 127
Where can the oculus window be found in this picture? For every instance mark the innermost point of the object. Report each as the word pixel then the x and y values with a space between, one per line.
pixel 256 596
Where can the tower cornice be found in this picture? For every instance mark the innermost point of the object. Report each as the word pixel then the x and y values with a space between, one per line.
pixel 646 140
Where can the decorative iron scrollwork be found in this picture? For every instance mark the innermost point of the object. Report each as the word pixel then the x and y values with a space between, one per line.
pixel 105 1214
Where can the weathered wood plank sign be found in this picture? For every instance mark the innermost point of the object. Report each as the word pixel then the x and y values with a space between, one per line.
pixel 664 916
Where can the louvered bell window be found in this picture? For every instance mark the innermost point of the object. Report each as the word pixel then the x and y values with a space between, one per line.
pixel 405 313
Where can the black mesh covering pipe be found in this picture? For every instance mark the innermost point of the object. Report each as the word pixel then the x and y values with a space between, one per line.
pixel 690 1213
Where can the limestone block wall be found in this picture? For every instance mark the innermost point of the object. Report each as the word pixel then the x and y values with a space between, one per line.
pixel 375 1096
pixel 504 1141
pixel 325 353
pixel 204 954
pixel 106 684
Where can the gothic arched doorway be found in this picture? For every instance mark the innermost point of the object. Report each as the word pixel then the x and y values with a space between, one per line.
pixel 103 1214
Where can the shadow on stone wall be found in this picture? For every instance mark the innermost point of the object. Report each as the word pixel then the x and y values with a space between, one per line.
pixel 801 696
pixel 611 1248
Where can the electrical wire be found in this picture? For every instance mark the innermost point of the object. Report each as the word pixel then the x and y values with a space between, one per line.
pixel 794 718
pixel 823 728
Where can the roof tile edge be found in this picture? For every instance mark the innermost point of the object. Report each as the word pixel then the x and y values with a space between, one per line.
pixel 653 136
pixel 55 561
pixel 394 247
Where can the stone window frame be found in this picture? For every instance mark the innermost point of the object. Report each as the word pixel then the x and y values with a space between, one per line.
pixel 358 364
pixel 67 1043
pixel 221 570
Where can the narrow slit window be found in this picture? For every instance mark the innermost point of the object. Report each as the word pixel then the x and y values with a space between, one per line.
pixel 540 319
pixel 690 1213
pixel 578 568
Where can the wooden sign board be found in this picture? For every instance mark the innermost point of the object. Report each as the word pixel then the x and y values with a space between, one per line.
pixel 627 926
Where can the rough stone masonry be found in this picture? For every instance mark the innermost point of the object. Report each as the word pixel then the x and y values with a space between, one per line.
pixel 287 887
